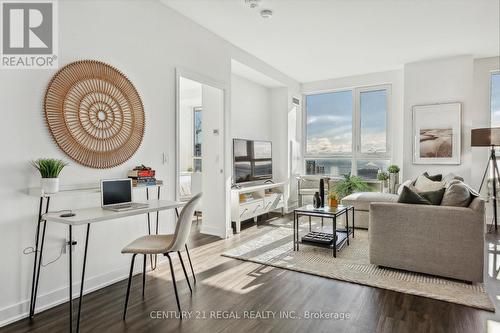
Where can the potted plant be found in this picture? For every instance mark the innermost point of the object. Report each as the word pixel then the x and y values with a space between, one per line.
pixel 393 178
pixel 349 185
pixel 384 178
pixel 49 169
pixel 333 199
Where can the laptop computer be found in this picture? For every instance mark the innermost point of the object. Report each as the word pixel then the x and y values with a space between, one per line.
pixel 116 195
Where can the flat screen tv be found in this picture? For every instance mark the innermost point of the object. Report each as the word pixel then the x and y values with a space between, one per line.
pixel 252 160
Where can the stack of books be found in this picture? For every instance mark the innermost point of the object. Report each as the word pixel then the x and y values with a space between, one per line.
pixel 143 176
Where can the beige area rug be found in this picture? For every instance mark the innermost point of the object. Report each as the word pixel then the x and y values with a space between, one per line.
pixel 274 248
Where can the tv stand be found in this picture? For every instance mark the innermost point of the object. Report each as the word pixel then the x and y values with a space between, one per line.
pixel 251 201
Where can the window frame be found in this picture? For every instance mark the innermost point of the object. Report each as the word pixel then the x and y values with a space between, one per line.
pixel 355 153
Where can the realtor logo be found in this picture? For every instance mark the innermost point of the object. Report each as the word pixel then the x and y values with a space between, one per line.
pixel 29 38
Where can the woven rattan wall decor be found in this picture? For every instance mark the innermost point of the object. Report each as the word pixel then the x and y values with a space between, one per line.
pixel 94 114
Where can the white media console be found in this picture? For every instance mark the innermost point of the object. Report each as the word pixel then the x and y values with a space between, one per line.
pixel 251 201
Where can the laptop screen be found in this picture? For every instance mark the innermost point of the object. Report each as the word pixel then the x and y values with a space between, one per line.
pixel 116 191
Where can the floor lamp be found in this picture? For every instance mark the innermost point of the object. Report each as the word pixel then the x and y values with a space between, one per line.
pixel 489 137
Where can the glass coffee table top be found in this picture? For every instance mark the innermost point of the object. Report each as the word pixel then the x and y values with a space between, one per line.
pixel 340 209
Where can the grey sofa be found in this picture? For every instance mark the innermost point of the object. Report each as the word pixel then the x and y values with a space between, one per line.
pixel 437 240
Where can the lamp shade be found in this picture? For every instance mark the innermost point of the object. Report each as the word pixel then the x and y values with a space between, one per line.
pixel 485 137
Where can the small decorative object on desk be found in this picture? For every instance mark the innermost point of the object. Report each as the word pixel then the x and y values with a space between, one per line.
pixel 316 200
pixel 49 169
pixel 143 176
pixel 333 199
pixel 384 178
pixel 393 178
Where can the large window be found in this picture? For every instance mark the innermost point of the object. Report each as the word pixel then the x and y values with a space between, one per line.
pixel 347 132
pixel 495 99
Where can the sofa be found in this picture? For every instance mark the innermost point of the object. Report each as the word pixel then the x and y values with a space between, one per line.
pixel 437 240
pixel 444 239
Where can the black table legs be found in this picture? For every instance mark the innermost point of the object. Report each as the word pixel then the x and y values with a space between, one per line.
pixel 70 278
pixel 83 278
pixel 155 261
pixel 37 262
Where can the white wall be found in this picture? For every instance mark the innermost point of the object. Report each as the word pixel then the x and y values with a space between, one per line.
pixel 147 49
pixel 250 110
pixel 394 78
pixel 439 81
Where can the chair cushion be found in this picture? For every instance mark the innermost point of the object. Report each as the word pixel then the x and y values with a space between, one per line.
pixel 424 184
pixel 362 200
pixel 457 194
pixel 411 197
pixel 150 244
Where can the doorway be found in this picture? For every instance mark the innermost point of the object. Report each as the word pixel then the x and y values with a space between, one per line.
pixel 200 148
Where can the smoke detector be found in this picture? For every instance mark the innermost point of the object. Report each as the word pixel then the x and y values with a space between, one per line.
pixel 252 3
pixel 266 13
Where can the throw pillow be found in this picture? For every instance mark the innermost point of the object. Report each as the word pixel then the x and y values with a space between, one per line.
pixel 434 197
pixel 449 177
pixel 457 194
pixel 405 183
pixel 410 197
pixel 424 184
pixel 435 178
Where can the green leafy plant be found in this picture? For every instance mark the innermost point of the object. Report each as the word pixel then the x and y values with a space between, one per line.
pixel 49 167
pixel 333 195
pixel 383 176
pixel 393 169
pixel 349 185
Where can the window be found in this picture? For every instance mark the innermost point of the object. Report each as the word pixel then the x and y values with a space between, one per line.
pixel 495 99
pixel 346 132
pixel 197 139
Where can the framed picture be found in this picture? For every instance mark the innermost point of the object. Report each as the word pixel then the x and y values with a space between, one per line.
pixel 437 133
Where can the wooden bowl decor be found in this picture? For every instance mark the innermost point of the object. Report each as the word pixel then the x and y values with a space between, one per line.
pixel 94 114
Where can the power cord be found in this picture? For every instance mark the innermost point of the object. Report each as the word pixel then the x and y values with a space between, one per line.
pixel 31 249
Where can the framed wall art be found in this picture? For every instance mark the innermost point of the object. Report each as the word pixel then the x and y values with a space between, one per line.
pixel 437 133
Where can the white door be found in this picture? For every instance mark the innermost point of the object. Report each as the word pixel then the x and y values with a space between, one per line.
pixel 213 184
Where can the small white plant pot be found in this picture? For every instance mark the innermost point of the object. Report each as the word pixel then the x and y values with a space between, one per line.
pixel 50 185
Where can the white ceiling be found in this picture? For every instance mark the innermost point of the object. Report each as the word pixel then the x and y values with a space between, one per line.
pixel 321 39
pixel 251 74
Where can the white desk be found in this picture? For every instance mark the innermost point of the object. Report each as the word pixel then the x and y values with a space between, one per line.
pixel 87 216
pixel 97 214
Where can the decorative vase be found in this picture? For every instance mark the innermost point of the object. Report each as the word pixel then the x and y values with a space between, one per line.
pixel 333 203
pixel 316 200
pixel 385 186
pixel 393 182
pixel 50 185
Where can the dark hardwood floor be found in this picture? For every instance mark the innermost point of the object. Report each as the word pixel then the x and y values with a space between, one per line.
pixel 233 287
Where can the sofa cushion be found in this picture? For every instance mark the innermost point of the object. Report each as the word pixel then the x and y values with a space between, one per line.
pixel 457 194
pixel 434 197
pixel 450 177
pixel 411 197
pixel 362 200
pixel 424 184
pixel 434 178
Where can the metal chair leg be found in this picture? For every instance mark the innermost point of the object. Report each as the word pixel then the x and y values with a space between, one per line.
pixel 144 276
pixel 173 281
pixel 128 286
pixel 190 264
pixel 185 272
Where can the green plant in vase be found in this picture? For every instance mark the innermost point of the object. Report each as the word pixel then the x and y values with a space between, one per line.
pixel 349 185
pixel 49 169
pixel 384 178
pixel 333 199
pixel 393 178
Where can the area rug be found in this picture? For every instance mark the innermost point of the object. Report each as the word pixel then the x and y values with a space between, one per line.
pixel 273 247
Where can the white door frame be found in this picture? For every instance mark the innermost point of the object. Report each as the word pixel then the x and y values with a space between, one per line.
pixel 191 75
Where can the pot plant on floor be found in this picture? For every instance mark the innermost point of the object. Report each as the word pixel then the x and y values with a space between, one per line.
pixel 349 185
pixel 49 169
pixel 393 178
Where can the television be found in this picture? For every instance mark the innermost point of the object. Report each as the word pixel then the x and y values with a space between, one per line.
pixel 252 160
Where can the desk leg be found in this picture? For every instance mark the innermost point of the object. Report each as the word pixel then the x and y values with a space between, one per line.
pixel 153 264
pixel 37 263
pixel 70 279
pixel 83 278
pixel 297 238
pixel 294 231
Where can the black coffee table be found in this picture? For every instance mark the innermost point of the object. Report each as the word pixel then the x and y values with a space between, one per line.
pixel 334 240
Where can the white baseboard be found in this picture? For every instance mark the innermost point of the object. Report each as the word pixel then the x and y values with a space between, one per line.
pixel 208 230
pixel 15 312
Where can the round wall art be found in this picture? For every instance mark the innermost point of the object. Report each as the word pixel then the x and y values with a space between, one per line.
pixel 94 114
